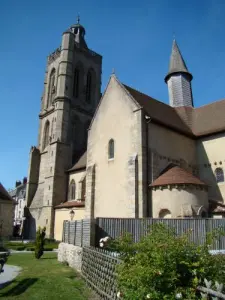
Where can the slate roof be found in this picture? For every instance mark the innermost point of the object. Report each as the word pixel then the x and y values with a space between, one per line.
pixel 159 112
pixel 194 122
pixel 80 163
pixel 70 204
pixel 4 195
pixel 176 175
pixel 177 63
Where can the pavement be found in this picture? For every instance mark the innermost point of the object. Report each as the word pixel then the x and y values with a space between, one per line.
pixel 9 274
pixel 25 251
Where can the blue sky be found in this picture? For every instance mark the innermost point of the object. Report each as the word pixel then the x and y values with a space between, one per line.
pixel 134 37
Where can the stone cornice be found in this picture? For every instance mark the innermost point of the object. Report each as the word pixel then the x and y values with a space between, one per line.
pixel 46 112
pixel 179 186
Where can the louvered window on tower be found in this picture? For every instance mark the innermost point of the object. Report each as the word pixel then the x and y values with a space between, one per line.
pixel 111 149
pixel 46 135
pixel 219 175
pixel 76 83
pixel 51 88
pixel 88 91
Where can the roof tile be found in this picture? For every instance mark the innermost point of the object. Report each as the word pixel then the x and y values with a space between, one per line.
pixel 176 175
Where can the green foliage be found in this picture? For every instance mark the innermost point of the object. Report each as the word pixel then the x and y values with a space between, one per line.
pixel 164 266
pixel 19 248
pixel 48 249
pixel 30 248
pixel 39 243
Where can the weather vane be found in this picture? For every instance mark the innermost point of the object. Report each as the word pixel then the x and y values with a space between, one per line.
pixel 78 18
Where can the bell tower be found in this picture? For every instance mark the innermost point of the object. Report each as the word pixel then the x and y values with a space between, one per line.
pixel 72 89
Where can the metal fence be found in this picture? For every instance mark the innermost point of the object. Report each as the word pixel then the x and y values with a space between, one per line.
pixel 77 232
pixel 98 269
pixel 198 228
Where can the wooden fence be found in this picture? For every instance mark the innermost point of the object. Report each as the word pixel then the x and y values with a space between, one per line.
pixel 77 232
pixel 198 228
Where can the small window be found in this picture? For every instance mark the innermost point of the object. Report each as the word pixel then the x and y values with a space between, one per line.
pixel 72 190
pixel 111 149
pixel 219 175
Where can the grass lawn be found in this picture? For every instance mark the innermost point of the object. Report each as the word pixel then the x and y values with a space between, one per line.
pixel 45 278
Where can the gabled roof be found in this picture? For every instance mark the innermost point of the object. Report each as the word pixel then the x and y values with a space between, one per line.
pixel 194 122
pixel 177 63
pixel 176 175
pixel 159 111
pixel 4 195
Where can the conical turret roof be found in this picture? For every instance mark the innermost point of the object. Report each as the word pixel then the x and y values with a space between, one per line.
pixel 177 63
pixel 177 175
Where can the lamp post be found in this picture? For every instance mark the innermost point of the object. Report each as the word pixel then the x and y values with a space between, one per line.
pixel 72 214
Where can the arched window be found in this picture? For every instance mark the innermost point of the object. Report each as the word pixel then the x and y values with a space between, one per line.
pixel 46 135
pixel 90 87
pixel 51 88
pixel 76 84
pixel 111 149
pixel 72 190
pixel 165 214
pixel 219 175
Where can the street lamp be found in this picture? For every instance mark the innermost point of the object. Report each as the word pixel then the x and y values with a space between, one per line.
pixel 72 214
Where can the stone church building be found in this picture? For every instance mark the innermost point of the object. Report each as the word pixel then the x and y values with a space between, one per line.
pixel 121 154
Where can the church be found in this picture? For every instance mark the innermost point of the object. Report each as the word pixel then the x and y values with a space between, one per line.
pixel 121 154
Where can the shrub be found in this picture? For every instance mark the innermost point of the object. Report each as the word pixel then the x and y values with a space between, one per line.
pixel 30 248
pixel 19 248
pixel 163 266
pixel 48 249
pixel 39 243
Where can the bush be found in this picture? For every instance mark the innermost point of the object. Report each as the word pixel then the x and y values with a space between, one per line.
pixel 19 248
pixel 163 266
pixel 39 243
pixel 48 249
pixel 30 248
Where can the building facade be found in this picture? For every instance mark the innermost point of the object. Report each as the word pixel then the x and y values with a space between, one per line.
pixel 6 213
pixel 126 155
pixel 19 196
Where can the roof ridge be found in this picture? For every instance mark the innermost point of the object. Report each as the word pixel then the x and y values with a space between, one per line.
pixel 212 103
pixel 125 85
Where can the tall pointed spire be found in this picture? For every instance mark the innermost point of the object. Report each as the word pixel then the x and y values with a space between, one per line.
pixel 177 63
pixel 178 80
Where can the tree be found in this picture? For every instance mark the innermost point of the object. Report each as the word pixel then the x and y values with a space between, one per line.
pixel 39 243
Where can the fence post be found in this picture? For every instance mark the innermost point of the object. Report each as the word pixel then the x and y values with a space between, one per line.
pixel 68 232
pixel 63 233
pixel 75 233
pixel 81 234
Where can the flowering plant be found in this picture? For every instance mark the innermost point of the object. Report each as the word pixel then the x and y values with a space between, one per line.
pixel 104 241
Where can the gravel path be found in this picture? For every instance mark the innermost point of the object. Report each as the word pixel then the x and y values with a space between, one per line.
pixel 10 272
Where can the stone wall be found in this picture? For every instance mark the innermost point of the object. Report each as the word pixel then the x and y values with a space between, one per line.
pixel 108 179
pixel 70 254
